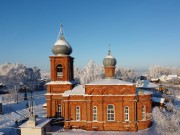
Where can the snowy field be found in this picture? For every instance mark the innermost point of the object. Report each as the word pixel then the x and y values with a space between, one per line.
pixel 13 112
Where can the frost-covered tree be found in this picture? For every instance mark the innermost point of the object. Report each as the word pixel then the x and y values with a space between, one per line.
pixel 167 120
pixel 158 71
pixel 175 70
pixel 13 74
pixel 45 75
pixel 126 74
pixel 92 72
pixel 89 73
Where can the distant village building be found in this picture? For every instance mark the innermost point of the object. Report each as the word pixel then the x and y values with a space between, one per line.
pixel 170 77
pixel 158 101
pixel 145 84
pixel 155 80
pixel 107 104
pixel 165 78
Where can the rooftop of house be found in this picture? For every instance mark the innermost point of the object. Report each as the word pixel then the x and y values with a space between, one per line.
pixel 39 123
pixel 146 84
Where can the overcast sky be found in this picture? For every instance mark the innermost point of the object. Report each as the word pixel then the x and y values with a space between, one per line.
pixel 142 33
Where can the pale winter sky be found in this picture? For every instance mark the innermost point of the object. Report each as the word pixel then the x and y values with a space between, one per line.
pixel 142 33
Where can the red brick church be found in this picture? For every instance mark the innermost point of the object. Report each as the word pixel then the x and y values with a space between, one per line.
pixel 107 104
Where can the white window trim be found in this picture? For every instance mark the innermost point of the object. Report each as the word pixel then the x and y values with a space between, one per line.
pixel 126 113
pixel 95 113
pixel 59 110
pixel 110 113
pixel 59 106
pixel 78 114
pixel 144 112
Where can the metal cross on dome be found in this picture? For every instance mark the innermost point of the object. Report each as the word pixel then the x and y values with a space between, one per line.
pixel 109 52
pixel 61 29
pixel 60 35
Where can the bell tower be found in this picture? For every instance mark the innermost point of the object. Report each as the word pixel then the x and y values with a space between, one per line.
pixel 62 76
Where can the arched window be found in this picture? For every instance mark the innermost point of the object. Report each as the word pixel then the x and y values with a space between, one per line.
pixel 143 112
pixel 110 113
pixel 94 113
pixel 59 110
pixel 126 113
pixel 77 113
pixel 59 70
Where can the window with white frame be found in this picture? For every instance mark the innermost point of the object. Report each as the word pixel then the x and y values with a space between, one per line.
pixel 77 113
pixel 94 113
pixel 110 113
pixel 126 113
pixel 143 112
pixel 58 110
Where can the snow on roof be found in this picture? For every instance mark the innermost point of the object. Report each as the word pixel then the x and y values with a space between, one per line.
pixel 45 104
pixel 61 82
pixel 172 76
pixel 78 90
pixel 47 94
pixel 158 100
pixel 110 82
pixel 146 84
pixel 145 92
pixel 154 79
pixel 39 123
pixel 162 76
pixel 109 56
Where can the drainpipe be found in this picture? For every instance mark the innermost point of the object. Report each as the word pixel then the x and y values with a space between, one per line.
pixel 136 112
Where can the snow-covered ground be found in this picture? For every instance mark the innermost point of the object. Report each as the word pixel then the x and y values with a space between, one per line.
pixel 150 131
pixel 13 112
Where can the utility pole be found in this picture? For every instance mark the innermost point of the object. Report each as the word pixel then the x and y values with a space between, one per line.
pixel 25 93
pixel 17 92
pixel 31 91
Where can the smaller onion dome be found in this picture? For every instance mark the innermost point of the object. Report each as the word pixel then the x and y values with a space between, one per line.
pixel 61 46
pixel 109 60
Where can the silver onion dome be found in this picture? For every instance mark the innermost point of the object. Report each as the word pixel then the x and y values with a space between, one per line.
pixel 109 60
pixel 61 46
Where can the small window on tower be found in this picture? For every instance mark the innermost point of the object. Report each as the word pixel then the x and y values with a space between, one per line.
pixel 59 70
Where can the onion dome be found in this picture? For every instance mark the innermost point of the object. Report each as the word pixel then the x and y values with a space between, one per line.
pixel 61 46
pixel 109 60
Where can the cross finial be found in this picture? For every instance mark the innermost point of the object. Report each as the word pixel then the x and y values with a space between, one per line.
pixel 60 35
pixel 61 29
pixel 109 52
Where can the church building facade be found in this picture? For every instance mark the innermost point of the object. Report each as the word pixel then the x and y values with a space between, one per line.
pixel 108 104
